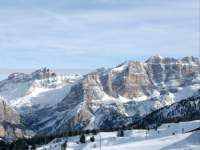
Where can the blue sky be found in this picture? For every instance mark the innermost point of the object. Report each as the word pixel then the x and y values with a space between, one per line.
pixel 89 34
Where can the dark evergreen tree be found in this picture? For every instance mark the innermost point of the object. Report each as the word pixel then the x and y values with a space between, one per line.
pixel 82 138
pixel 87 131
pixel 94 131
pixel 120 133
pixel 92 139
pixel 70 134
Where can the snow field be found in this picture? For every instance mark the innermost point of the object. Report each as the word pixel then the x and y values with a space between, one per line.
pixel 160 139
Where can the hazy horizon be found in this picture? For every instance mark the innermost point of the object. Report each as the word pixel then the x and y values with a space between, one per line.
pixel 4 73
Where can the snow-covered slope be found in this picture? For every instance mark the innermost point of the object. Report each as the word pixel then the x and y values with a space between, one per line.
pixel 185 110
pixel 40 89
pixel 160 139
pixel 105 98
pixel 108 98
pixel 10 122
pixel 24 94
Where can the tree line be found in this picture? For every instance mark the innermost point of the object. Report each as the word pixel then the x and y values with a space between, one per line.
pixel 36 141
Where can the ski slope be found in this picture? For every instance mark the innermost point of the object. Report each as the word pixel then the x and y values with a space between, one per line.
pixel 160 139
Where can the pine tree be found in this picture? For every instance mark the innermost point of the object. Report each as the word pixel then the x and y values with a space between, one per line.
pixel 94 132
pixel 87 131
pixel 120 133
pixel 82 138
pixel 70 133
pixel 92 139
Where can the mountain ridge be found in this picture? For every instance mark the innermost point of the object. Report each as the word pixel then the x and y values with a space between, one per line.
pixel 129 81
pixel 105 97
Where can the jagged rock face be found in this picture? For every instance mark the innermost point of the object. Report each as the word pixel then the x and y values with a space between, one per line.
pixel 74 117
pixel 10 123
pixel 2 131
pixel 40 74
pixel 80 118
pixel 92 87
pixel 11 130
pixel 137 82
pixel 18 77
pixel 43 74
pixel 131 80
pixel 112 97
pixel 110 116
pixel 87 89
pixel 138 79
pixel 8 114
pixel 165 71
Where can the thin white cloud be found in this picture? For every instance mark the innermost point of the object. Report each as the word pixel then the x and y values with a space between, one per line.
pixel 93 33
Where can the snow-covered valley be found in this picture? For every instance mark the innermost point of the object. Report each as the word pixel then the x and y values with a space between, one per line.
pixel 167 136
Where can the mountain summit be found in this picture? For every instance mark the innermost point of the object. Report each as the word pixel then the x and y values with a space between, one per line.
pixel 105 98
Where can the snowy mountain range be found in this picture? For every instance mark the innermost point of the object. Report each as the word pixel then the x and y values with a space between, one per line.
pixel 44 102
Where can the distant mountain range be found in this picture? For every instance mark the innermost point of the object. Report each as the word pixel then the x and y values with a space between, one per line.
pixel 44 102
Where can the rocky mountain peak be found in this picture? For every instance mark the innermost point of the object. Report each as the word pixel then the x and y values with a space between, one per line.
pixel 18 77
pixel 43 73
pixel 190 60
pixel 131 89
pixel 154 59
pixel 161 60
